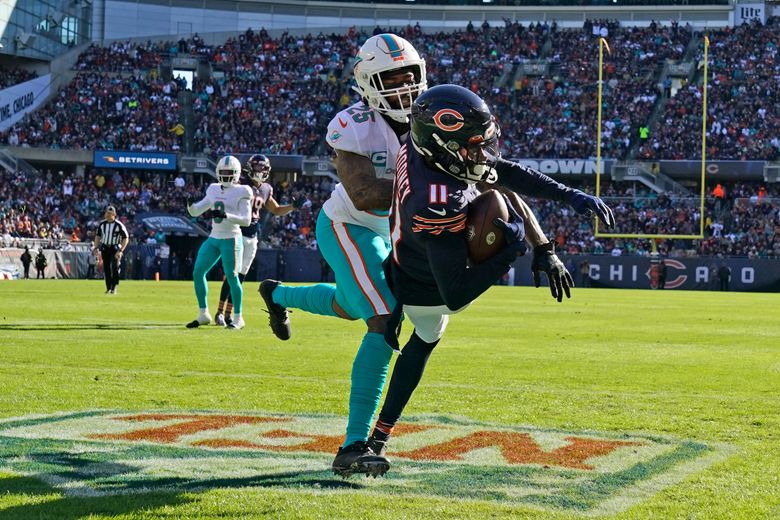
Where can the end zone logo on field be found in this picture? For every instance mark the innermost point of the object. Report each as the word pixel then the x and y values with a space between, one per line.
pixel 107 453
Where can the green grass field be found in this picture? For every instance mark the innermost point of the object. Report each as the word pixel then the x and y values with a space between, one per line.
pixel 702 368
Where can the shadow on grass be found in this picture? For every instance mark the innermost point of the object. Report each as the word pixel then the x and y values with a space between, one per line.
pixel 74 507
pixel 89 326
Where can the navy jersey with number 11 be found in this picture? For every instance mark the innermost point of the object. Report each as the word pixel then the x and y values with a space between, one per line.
pixel 426 202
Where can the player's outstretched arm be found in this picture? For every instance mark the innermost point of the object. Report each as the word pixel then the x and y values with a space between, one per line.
pixel 528 181
pixel 459 285
pixel 357 175
pixel 197 209
pixel 276 209
pixel 545 260
pixel 533 230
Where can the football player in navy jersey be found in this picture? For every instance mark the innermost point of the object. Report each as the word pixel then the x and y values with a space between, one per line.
pixel 454 140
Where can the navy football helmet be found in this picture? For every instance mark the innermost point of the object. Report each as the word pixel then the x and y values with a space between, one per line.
pixel 453 129
pixel 258 168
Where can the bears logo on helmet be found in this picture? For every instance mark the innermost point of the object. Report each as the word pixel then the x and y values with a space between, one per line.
pixel 454 130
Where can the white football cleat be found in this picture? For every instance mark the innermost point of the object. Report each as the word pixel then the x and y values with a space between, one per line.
pixel 237 323
pixel 204 318
pixel 219 320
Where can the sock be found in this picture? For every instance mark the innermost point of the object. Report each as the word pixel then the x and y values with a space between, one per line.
pixel 381 433
pixel 406 376
pixel 228 310
pixel 316 299
pixel 369 372
pixel 224 294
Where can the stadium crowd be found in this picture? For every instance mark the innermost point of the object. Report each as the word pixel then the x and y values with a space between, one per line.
pixel 60 207
pixel 122 57
pixel 276 94
pixel 743 89
pixel 744 221
pixel 14 76
pixel 555 115
pixel 103 111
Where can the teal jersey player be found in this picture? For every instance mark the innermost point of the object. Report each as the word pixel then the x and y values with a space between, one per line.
pixel 229 206
pixel 353 231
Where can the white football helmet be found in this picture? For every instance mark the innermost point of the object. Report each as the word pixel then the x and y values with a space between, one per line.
pixel 383 53
pixel 228 171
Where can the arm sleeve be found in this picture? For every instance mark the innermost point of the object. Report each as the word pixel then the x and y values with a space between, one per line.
pixel 200 207
pixel 533 183
pixel 244 216
pixel 460 285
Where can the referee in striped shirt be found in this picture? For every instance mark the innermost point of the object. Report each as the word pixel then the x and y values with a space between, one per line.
pixel 111 239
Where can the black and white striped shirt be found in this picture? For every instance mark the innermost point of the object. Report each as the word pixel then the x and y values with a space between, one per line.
pixel 111 233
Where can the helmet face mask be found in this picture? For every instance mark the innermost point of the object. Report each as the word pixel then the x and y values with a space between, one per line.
pixel 228 171
pixel 258 168
pixel 380 60
pixel 454 130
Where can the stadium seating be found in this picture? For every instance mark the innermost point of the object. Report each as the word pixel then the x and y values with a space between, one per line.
pixel 742 89
pixel 276 94
pixel 11 77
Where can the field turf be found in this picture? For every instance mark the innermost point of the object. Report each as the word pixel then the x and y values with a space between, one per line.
pixel 700 366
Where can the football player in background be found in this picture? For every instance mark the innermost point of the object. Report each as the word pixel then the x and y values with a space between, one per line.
pixel 352 228
pixel 256 172
pixel 229 205
pixel 454 146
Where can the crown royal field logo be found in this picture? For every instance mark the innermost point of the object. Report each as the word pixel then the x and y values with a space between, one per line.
pixel 104 453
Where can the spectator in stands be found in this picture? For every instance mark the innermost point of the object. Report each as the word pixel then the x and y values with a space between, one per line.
pixel 11 77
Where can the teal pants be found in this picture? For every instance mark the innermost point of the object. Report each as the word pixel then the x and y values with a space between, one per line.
pixel 230 250
pixel 355 254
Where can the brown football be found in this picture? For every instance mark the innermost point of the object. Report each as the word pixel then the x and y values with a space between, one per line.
pixel 483 237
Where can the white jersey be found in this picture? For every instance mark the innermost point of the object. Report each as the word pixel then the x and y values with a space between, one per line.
pixel 362 131
pixel 235 201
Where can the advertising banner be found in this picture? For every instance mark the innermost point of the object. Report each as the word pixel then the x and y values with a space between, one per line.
pixel 18 100
pixel 749 11
pixel 121 159
pixel 170 224
pixel 703 274
pixel 677 169
pixel 59 264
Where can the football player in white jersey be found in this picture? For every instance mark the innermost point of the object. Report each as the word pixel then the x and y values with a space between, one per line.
pixel 256 172
pixel 353 232
pixel 229 204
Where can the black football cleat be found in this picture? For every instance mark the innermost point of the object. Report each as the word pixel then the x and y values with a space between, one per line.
pixel 358 458
pixel 278 317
